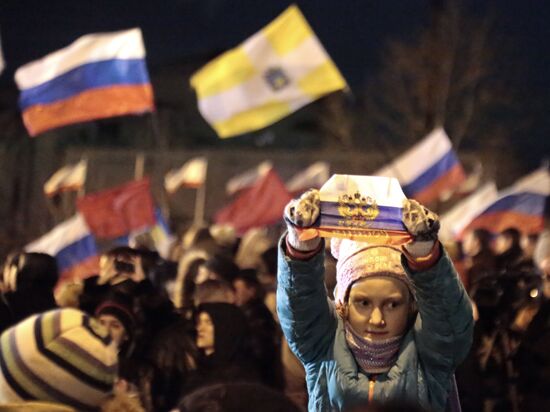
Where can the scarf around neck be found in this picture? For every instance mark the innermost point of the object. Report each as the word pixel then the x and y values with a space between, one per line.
pixel 373 356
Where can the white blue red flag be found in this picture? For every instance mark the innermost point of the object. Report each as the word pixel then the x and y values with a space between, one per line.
pixel 73 246
pixel 521 206
pixel 99 75
pixel 428 169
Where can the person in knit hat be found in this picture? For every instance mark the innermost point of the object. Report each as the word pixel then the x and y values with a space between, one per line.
pixel 116 314
pixel 62 356
pixel 400 322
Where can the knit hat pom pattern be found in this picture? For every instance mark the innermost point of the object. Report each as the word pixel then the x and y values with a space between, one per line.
pixel 358 260
pixel 62 356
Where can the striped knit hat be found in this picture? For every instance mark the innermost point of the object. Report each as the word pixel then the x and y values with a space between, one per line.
pixel 62 356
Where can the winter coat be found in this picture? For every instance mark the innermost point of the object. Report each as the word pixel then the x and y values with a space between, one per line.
pixel 429 353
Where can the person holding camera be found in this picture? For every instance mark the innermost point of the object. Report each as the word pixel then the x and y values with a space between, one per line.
pixel 400 323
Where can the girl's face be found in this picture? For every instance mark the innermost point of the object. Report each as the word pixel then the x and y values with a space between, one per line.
pixel 205 333
pixel 379 307
pixel 115 327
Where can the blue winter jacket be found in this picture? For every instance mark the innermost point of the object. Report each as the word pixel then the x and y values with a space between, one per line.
pixel 431 349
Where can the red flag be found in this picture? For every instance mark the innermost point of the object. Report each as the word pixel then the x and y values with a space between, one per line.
pixel 260 205
pixel 117 211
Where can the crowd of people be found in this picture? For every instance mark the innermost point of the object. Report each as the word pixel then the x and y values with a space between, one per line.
pixel 508 280
pixel 200 331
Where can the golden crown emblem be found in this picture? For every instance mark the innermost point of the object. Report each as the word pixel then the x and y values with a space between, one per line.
pixel 355 207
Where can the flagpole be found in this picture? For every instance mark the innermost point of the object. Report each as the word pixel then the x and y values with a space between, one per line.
pixel 139 166
pixel 162 142
pixel 200 200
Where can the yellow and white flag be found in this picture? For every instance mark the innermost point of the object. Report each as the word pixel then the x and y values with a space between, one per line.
pixel 272 74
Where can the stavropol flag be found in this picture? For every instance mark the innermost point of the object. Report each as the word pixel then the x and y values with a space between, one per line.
pixel 118 211
pixel 191 174
pixel 73 246
pixel 521 206
pixel 312 177
pixel 428 169
pixel 460 215
pixel 260 205
pixel 248 178
pixel 98 76
pixel 70 177
pixel 272 74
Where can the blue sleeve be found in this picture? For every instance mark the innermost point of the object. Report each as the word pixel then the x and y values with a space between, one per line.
pixel 444 327
pixel 307 317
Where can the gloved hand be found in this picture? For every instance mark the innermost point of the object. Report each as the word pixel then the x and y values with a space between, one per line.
pixel 302 213
pixel 422 224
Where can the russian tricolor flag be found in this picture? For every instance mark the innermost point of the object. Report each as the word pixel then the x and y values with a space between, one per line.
pixel 521 206
pixel 427 169
pixel 73 246
pixel 99 75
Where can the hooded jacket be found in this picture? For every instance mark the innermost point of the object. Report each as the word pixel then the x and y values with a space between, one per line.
pixel 429 353
pixel 232 359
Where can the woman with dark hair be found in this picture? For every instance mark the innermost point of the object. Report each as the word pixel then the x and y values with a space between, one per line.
pixel 223 339
pixel 184 287
pixel 169 367
pixel 27 286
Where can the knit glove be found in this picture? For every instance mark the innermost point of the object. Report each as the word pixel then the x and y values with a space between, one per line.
pixel 302 213
pixel 422 224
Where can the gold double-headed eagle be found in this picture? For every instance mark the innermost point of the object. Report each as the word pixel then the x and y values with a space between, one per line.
pixel 357 210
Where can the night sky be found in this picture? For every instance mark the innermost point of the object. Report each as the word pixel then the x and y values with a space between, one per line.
pixel 353 32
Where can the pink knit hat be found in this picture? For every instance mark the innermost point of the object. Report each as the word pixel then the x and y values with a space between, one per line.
pixel 357 260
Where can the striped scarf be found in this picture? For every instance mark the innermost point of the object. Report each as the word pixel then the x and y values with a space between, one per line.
pixel 373 356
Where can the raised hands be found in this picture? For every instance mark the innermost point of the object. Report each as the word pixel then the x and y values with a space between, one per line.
pixel 302 213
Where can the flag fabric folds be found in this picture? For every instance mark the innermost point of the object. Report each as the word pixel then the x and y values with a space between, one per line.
pixel 191 174
pixel 521 206
pixel 314 176
pixel 157 236
pixel 363 208
pixel 118 211
pixel 260 205
pixel 248 178
pixel 275 72
pixel 428 169
pixel 73 246
pixel 460 215
pixel 97 76
pixel 70 177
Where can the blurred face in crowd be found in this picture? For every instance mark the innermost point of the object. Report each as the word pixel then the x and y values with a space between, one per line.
pixel 115 327
pixel 470 244
pixel 379 307
pixel 243 293
pixel 205 274
pixel 205 333
pixel 528 245
pixel 8 282
pixel 502 244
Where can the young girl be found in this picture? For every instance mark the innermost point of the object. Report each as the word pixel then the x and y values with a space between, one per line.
pixel 400 324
